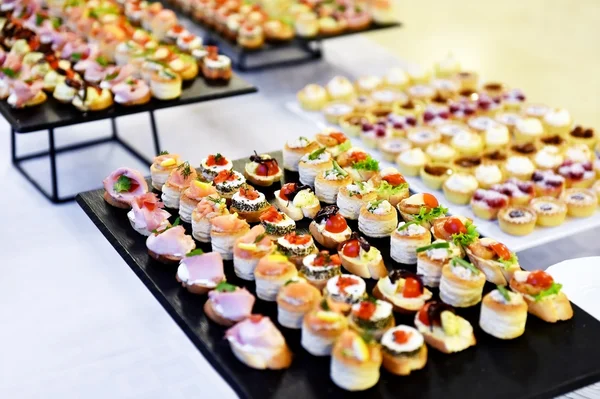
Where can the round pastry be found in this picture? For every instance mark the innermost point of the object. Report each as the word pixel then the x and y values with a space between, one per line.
pixel 421 92
pixel 434 175
pixel 251 36
pixel 480 124
pixel 165 84
pixel 262 170
pixel 329 227
pixel 271 274
pixel 578 153
pixel 312 164
pixel 276 224
pixel 418 74
pixel 178 181
pixel 355 364
pixel 377 219
pixel 447 67
pixel 578 175
pixel 373 133
pixel 380 112
pixel 536 111
pixel 450 129
pixel 503 314
pixel 216 66
pixel 528 130
pixel 467 143
pixel 170 246
pixel 496 157
pixel 442 329
pixel 201 272
pixel 352 124
pixel 359 164
pixel 404 290
pixel 421 137
pixel 547 183
pixel 306 25
pixel 461 284
pixel 247 202
pixel 596 189
pixel 162 166
pixel 92 99
pixel 297 201
pixel 548 158
pixel 468 80
pixel 513 99
pixel 396 78
pixel 405 241
pixel 557 122
pixel 363 103
pixel 278 31
pixel 360 258
pixel 440 152
pixel 528 150
pixel 336 110
pixel 343 291
pixel 517 221
pixel 411 161
pixel 432 258
pixel 294 300
pixel 508 119
pixel 340 89
pixel 580 202
pixel 496 137
pixel 459 188
pixel 519 167
pixel 462 109
pixel 131 92
pixel 550 211
pixel 391 186
pixel 403 349
pixel 494 259
pixel 371 317
pixel 330 26
pixel 422 208
pixel 191 196
pixel 488 175
pixel 351 199
pixel 581 135
pixel 329 183
pixel 486 204
pixel 389 98
pixel 368 84
pixel 318 268
pixel 555 141
pixel 294 150
pixel 410 108
pixel 446 89
pixel 391 147
pixel 227 182
pixel 248 250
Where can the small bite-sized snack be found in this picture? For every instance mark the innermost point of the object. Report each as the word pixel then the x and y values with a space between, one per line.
pixel 536 110
pixel 312 97
pixel 355 363
pixel 90 98
pixel 580 202
pixel 162 166
pixel 320 329
pixel 557 122
pixel 296 246
pixel 329 228
pixel 461 284
pixel 352 124
pixel 170 245
pixel 488 175
pixel 578 153
pixel 440 153
pixel 544 297
pixel 403 349
pixel 377 218
pixel 278 31
pixel 271 273
pixel 360 258
pixel 392 147
pixel 228 182
pixel 340 89
pixel 489 105
pixel 249 249
pixel 390 185
pixel 458 229
pixel 276 223
pixel 297 201
pixel 396 78
pixel 191 196
pixel 405 241
pixel 359 164
pixel 432 258
pixel 147 214
pixel 519 167
pixel 480 124
pixel 310 165
pixel 262 170
pixel 366 84
pixel 443 329
pixel 306 25
pixel 422 137
pixel 494 259
pixel 333 112
pixel 131 92
pixel 486 204
pixel 330 26
pixel 209 207
pixel 577 174
pixel 581 135
pixel 225 230
pixel 508 119
pixel 467 164
pixel 294 300
pixel 517 220
pixel 411 161
pixel 200 272
pixel 257 343
pixel 329 183
pixel 550 211
pixel 295 149
pixel 467 143
pixel 459 188
pixel 343 291
pixel 519 192
pixel 122 186
pixel 165 84
pixel 333 140
pixel 513 99
pixel 422 208
pixel 371 316
pixel 318 268
pixel 548 158
pixel 215 66
pixel 496 157
pixel 228 304
pixel 213 164
pixel 503 313
pixel 178 181
pixel 251 36
pixel 248 203
pixel 434 175
pixel 404 290
pixel 352 197
pixel 528 130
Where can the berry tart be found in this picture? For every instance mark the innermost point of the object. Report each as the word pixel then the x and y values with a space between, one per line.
pixel 373 133
pixel 519 192
pixel 262 170
pixel 435 115
pixel 461 110
pixel 489 105
pixel 580 202
pixel 581 135
pixel 487 203
pixel 352 124
pixel 517 220
pixel 513 99
pixel 578 174
pixel 399 124
pixel 547 183
pixel 550 211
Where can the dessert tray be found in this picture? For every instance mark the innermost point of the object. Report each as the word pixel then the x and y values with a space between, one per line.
pixel 532 365
pixel 330 112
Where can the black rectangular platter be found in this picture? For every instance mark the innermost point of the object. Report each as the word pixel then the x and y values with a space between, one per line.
pixel 548 360
pixel 53 114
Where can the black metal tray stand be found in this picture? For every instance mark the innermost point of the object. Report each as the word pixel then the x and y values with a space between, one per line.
pixel 52 115
pixel 548 360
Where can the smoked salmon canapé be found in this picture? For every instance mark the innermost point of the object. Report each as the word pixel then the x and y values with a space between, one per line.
pixel 191 196
pixel 249 203
pixel 294 300
pixel 262 170
pixel 147 214
pixel 179 179
pixel 228 304
pixel 257 343
pixel 200 272
pixel 212 165
pixel 271 273
pixel 122 186
pixel 209 207
pixel 355 363
pixel 249 249
pixel 162 166
pixel 225 230
pixel 170 245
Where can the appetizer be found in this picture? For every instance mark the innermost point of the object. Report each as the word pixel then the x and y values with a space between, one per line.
pixel 503 314
pixel 200 272
pixel 458 229
pixel 191 196
pixel 355 363
pixel 377 219
pixel 329 228
pixel 271 273
pixel 147 214
pixel 360 258
pixel 296 246
pixel 228 182
pixel 262 170
pixel 224 231
pixel 312 97
pixel 162 166
pixel 353 197
pixel 432 258
pixel 170 245
pixel 580 202
pixel 321 327
pixel 359 164
pixel 312 164
pixel 297 201
pixel 390 185
pixel 228 304
pixel 517 220
pixel 459 188
pixel 494 259
pixel 249 249
pixel 213 164
pixel 294 300
pixel 165 84
pixel 403 349
pixel 249 203
pixel 122 186
pixel 486 204
pixel 334 141
pixel 461 284
pixel 257 343
pixel 421 208
pixel 276 223
pixel 208 208
pixel 443 329
pixel 371 316
pixel 318 268
pixel 403 289
pixel 294 150
pixel 343 291
pixel 550 211
pixel 405 241
pixel 329 182
pixel 543 296
pixel 179 179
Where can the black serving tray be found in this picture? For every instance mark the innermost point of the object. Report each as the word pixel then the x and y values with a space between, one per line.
pixel 548 360
pixel 53 114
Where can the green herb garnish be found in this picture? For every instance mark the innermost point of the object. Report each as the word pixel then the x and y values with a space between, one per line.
pixel 290 281
pixel 366 164
pixel 371 298
pixel 325 305
pixel 163 152
pixel 176 222
pixel 195 252
pixel 553 290
pixel 224 286
pixel 368 337
pixel 339 170
pixel 56 22
pixel 316 154
pixel 510 262
pixel 39 18
pixel 111 76
pixel 185 169
pixel 374 205
pixel 76 56
pixel 102 61
pixel 405 225
pixel 466 239
pixel 10 73
pixel 388 190
pixel 218 157
pixel 435 245
pixel 123 184
pixel 428 215
pixel 463 263
pixel 259 238
pixel 502 289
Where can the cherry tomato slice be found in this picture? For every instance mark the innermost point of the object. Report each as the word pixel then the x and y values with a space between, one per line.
pixel 501 250
pixel 395 180
pixel 430 200
pixel 423 317
pixel 412 288
pixel 454 226
pixel 540 279
pixel 401 337
pixel 366 310
pixel 301 239
pixel 336 224
pixel 351 249
pixel 339 137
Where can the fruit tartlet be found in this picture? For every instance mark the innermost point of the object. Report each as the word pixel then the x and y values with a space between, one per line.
pixel 513 99
pixel 399 124
pixel 543 295
pixel 294 300
pixel 443 329
pixel 421 137
pixel 459 188
pixel 519 167
pixel 373 133
pixel 406 239
pixel 334 111
pixel 248 250
pixel 547 183
pixel 352 124
pixel 461 284
pixel 403 289
pixel 581 135
pixel 550 211
pixel 276 224
pixel 391 147
pixel 467 143
pixel 486 204
pixel 528 130
pixel 432 258
pixel 262 170
pixel 352 197
pixel 377 218
pixel 480 124
pixel 329 183
pixel 411 161
pixel 517 220
pixel 489 105
pixel 548 158
pixel 200 272
pixel 360 258
pixel 329 228
pixel 577 174
pixel 312 164
pixel 461 110
pixel 359 164
pixel 422 208
pixel 557 122
pixel 371 316
pixel 434 175
pixel 519 192
pixel 295 149
pixel 580 202
pixel 318 268
pixel 343 291
pixel 312 97
pixel 488 175
pixel 340 89
pixel 403 349
pixel 390 185
pixel 496 137
pixel 503 314
pixel 494 259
